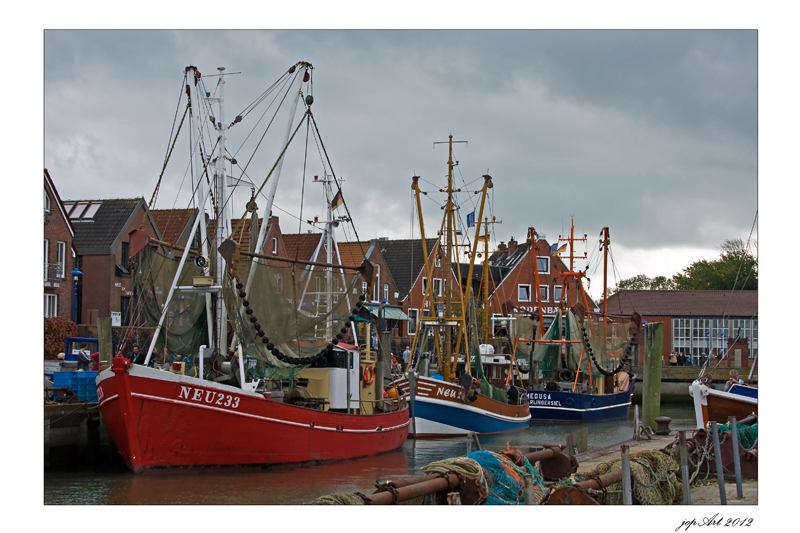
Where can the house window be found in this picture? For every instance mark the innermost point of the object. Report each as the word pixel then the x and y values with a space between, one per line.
pixel 274 245
pixel 50 305
pixel 424 284
pixel 376 294
pixel 413 315
pixel 318 284
pixel 544 294
pixel 46 202
pixel 438 261
pixel 278 282
pixel 46 250
pixel 61 258
pixel 363 287
pixel 558 293
pixel 681 335
pixel 543 263
pixel 524 293
pixel 125 310
pixel 336 290
pixel 386 291
pixel 437 286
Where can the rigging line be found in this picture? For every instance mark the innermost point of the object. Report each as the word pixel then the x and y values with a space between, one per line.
pixel 344 203
pixel 169 150
pixel 303 181
pixel 166 159
pixel 260 98
pixel 262 117
pixel 744 254
pixel 261 140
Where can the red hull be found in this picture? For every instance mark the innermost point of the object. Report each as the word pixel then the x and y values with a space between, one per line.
pixel 159 419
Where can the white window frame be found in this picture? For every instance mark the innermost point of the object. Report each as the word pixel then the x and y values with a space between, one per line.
pixel 50 305
pixel 437 261
pixel 364 288
pixel 386 291
pixel 46 257
pixel 546 296
pixel 521 286
pixel 274 245
pixel 547 271
pixel 47 202
pixel 61 258
pixel 279 282
pixel 556 296
pixel 376 290
pixel 439 292
pixel 413 319
pixel 424 285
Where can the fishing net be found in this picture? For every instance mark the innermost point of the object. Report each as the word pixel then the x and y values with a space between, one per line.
pixel 602 347
pixel 473 334
pixel 185 326
pixel 747 434
pixel 300 308
pixel 654 478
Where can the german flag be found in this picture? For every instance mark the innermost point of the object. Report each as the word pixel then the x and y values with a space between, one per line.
pixel 337 200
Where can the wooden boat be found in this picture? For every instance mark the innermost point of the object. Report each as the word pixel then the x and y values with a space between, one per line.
pixel 283 389
pixel 582 375
pixel 712 405
pixel 462 400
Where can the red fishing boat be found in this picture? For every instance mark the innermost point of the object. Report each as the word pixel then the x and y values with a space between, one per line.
pixel 267 379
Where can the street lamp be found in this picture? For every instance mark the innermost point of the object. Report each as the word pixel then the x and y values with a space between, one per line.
pixel 75 273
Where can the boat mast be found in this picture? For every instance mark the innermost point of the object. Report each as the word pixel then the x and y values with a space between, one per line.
pixel 223 210
pixel 605 242
pixel 485 282
pixel 535 260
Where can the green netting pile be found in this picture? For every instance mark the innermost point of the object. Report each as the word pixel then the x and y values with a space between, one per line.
pixel 608 343
pixel 487 389
pixel 185 328
pixel 654 478
pixel 747 434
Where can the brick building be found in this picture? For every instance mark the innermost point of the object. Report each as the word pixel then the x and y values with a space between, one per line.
pixel 102 244
pixel 59 255
pixel 698 322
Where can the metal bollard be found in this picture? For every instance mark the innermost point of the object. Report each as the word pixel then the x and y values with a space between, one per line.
pixel 737 467
pixel 527 489
pixel 718 459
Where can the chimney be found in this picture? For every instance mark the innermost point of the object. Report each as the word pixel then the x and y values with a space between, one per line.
pixel 512 246
pixel 502 246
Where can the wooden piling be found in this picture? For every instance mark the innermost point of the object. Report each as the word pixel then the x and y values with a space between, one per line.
pixel 104 339
pixel 718 461
pixel 627 495
pixel 737 467
pixel 653 361
pixel 687 491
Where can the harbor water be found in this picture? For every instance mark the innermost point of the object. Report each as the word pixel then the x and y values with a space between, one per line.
pixel 297 484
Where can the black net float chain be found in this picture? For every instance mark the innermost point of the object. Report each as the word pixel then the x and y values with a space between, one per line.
pixel 297 360
pixel 603 371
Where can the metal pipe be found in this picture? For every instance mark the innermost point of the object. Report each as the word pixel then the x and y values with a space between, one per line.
pixel 417 490
pixel 718 461
pixel 687 492
pixel 737 467
pixel 627 496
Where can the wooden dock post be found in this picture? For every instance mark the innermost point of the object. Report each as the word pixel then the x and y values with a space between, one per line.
pixel 577 441
pixel 651 391
pixel 104 339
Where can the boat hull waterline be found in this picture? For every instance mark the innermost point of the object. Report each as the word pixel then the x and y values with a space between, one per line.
pixel 158 419
pixel 439 411
pixel 566 406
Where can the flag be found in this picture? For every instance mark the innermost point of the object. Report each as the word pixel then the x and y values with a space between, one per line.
pixel 555 250
pixel 337 200
pixel 483 238
pixel 471 219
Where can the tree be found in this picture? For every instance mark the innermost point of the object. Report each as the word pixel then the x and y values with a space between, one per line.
pixel 736 269
pixel 643 283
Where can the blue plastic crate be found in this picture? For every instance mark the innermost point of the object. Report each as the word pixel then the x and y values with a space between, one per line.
pixel 62 379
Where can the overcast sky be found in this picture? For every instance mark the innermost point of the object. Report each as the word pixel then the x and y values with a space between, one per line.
pixel 652 133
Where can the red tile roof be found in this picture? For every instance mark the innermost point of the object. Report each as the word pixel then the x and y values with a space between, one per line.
pixel 685 303
pixel 172 223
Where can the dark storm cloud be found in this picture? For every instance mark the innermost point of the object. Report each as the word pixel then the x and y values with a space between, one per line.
pixel 652 133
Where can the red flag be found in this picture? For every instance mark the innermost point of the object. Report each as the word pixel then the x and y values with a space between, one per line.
pixel 337 200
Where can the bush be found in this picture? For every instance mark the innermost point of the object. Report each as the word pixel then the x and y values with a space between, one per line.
pixel 56 330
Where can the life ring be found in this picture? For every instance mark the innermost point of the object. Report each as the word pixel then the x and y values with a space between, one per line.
pixel 369 375
pixel 569 401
